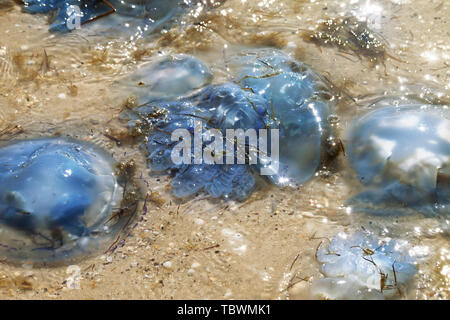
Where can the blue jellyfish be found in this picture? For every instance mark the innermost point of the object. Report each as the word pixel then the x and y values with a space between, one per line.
pixel 143 16
pixel 218 107
pixel 362 266
pixel 166 78
pixel 299 103
pixel 58 197
pixel 402 156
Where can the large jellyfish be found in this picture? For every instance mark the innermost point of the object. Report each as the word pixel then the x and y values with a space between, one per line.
pixel 299 102
pixel 59 199
pixel 362 266
pixel 402 156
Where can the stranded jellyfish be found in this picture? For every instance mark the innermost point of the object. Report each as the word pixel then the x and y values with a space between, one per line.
pixel 167 78
pixel 140 16
pixel 402 156
pixel 277 109
pixel 299 103
pixel 218 107
pixel 362 266
pixel 59 199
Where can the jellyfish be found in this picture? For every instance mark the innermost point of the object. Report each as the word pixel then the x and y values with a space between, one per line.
pixel 169 77
pixel 363 266
pixel 299 103
pixel 59 199
pixel 141 17
pixel 402 157
pixel 219 107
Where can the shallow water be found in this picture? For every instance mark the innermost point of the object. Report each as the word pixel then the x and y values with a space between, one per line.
pixel 261 248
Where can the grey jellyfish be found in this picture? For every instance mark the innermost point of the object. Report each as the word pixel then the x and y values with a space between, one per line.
pixel 402 157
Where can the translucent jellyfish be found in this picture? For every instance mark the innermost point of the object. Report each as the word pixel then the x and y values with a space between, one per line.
pixel 59 200
pixel 361 266
pixel 69 12
pixel 402 155
pixel 139 17
pixel 299 104
pixel 167 78
pixel 272 91
pixel 215 107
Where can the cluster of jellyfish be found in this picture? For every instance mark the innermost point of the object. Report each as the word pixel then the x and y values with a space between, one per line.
pixel 288 101
pixel 60 197
pixel 400 153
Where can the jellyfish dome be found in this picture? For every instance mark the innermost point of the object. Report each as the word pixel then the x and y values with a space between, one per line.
pixel 298 101
pixel 402 156
pixel 168 77
pixel 363 266
pixel 58 197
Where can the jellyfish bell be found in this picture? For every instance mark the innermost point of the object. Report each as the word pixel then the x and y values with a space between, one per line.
pixel 167 77
pixel 59 200
pixel 401 154
pixel 219 107
pixel 299 102
pixel 362 265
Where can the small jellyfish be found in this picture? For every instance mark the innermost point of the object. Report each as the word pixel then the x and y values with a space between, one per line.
pixel 167 78
pixel 59 199
pixel 402 155
pixel 362 266
pixel 299 104
pixel 141 17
